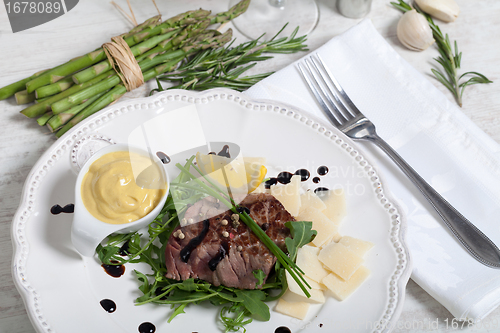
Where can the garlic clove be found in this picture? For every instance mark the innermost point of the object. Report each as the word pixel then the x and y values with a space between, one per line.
pixel 445 10
pixel 413 31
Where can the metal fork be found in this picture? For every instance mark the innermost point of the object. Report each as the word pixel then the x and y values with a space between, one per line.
pixel 350 121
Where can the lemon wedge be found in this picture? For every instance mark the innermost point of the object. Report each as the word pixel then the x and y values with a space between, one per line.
pixel 241 175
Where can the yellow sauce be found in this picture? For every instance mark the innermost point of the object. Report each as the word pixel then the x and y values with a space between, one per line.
pixel 110 193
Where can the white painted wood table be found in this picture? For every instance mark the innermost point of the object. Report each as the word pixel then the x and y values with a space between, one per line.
pixel 93 22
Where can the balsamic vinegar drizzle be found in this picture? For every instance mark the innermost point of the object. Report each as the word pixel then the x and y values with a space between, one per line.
pixel 114 270
pixel 147 327
pixel 242 209
pixel 123 251
pixel 304 174
pixel 225 152
pixel 322 170
pixel 193 243
pixel 108 305
pixel 270 182
pixel 57 209
pixel 320 189
pixel 221 254
pixel 284 177
pixel 164 158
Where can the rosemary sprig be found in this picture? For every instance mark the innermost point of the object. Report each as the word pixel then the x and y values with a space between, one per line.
pixel 450 58
pixel 223 67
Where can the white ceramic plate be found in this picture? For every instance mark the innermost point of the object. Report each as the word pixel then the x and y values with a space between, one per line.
pixel 62 291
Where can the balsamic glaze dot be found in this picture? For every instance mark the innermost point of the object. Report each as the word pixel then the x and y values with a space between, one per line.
pixel 57 209
pixel 282 329
pixel 123 251
pixel 114 270
pixel 316 180
pixel 304 174
pixel 108 305
pixel 225 152
pixel 322 170
pixel 69 208
pixel 284 177
pixel 147 328
pixel 164 158
pixel 320 189
pixel 242 209
pixel 270 182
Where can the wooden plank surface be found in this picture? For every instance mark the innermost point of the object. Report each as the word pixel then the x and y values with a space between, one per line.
pixel 93 22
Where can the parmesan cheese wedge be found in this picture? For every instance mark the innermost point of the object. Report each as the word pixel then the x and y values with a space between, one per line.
pixel 341 289
pixel 307 260
pixel 335 205
pixel 326 229
pixel 289 195
pixel 293 309
pixel 358 246
pixel 310 199
pixel 340 260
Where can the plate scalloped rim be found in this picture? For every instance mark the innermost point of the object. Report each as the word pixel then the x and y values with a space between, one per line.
pixel 399 278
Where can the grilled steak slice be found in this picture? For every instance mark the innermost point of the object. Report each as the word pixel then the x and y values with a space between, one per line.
pixel 205 253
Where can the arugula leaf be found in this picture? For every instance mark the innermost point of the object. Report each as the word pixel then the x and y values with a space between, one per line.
pixel 237 321
pixel 178 310
pixel 188 285
pixel 260 276
pixel 253 302
pixel 302 234
pixel 144 287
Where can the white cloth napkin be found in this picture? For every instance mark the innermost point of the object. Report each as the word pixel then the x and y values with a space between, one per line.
pixel 437 139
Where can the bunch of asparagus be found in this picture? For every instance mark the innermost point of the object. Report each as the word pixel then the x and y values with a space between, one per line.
pixel 69 93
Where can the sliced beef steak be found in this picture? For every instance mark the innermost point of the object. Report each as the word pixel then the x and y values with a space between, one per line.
pixel 227 254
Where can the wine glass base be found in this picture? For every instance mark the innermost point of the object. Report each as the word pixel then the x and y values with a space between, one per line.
pixel 263 18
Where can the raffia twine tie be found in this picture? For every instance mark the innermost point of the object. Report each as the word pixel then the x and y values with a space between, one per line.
pixel 119 55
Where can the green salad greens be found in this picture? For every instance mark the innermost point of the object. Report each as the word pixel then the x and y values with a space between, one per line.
pixel 238 307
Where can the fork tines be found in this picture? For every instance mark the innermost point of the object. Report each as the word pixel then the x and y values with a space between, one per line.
pixel 328 92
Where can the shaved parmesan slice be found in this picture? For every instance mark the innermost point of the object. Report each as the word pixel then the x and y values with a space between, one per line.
pixel 342 289
pixel 326 229
pixel 310 199
pixel 317 295
pixel 335 205
pixel 289 195
pixel 340 260
pixel 358 246
pixel 307 260
pixel 293 309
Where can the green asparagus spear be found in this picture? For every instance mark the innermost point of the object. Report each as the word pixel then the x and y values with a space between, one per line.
pixel 22 97
pixel 45 105
pixel 54 88
pixel 11 89
pixel 44 118
pixel 58 120
pixel 100 103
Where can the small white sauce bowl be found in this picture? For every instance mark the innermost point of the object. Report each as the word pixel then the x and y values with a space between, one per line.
pixel 87 231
